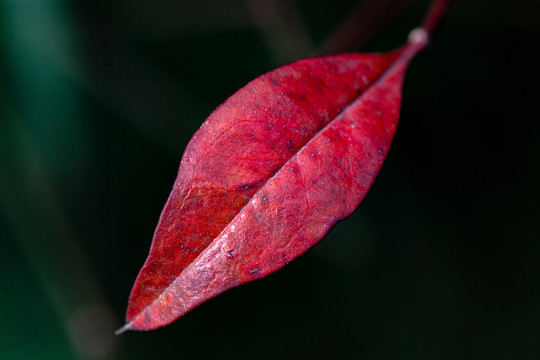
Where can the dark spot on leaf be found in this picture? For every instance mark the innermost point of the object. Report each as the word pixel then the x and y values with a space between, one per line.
pixel 290 145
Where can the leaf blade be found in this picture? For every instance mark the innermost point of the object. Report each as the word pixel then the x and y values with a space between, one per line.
pixel 236 250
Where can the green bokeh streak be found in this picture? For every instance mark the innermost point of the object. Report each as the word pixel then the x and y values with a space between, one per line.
pixel 42 142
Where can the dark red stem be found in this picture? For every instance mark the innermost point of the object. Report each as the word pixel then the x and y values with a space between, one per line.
pixel 435 15
pixel 368 19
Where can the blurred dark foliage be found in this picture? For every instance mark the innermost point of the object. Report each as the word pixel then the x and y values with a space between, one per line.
pixel 98 100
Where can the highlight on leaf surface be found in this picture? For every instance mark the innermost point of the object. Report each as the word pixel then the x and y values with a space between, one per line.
pixel 267 176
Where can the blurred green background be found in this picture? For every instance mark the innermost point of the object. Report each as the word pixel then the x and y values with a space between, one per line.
pixel 99 99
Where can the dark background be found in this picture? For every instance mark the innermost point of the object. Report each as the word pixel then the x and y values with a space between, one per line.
pixel 99 99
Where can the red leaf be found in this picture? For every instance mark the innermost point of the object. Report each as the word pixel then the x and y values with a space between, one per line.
pixel 266 177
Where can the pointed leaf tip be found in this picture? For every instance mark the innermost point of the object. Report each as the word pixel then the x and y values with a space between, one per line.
pixel 123 329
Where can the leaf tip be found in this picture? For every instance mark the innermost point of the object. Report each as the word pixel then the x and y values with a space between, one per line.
pixel 123 329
